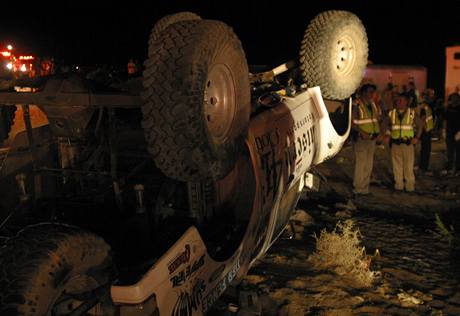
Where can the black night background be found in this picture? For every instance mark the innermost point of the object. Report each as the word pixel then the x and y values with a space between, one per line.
pixel 79 32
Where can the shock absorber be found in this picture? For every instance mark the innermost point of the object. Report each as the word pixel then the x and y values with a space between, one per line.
pixel 139 190
pixel 21 181
pixel 201 200
pixel 67 155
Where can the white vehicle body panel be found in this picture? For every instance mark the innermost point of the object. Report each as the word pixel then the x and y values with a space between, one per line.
pixel 284 142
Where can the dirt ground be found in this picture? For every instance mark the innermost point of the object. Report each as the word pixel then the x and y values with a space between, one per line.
pixel 434 194
pixel 416 265
pixel 408 281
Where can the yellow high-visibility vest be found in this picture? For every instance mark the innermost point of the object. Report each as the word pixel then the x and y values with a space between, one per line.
pixel 429 118
pixel 402 129
pixel 368 119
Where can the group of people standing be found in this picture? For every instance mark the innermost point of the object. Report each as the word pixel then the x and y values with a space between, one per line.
pixel 406 120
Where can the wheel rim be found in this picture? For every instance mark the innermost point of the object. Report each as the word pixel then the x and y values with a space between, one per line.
pixel 346 54
pixel 219 102
pixel 66 301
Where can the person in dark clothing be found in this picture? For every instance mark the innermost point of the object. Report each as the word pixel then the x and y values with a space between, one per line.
pixel 413 94
pixel 437 110
pixel 426 117
pixel 452 128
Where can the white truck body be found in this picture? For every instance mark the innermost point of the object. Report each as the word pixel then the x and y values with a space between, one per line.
pixel 399 75
pixel 452 69
pixel 284 143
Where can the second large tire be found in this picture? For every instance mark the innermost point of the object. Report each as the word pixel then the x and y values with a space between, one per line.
pixel 46 265
pixel 196 101
pixel 334 53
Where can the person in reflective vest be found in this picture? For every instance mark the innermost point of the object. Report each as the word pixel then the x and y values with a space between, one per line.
pixel 366 130
pixel 401 131
pixel 426 117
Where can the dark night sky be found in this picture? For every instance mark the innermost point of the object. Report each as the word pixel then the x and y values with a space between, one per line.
pixel 400 32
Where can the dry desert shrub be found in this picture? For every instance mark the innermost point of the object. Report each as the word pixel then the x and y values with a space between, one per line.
pixel 342 252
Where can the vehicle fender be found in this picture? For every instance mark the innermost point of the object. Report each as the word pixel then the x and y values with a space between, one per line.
pixel 328 141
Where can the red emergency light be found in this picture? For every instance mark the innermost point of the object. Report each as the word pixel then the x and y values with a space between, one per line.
pixel 26 57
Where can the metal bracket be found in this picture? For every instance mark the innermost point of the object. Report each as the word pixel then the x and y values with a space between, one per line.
pixel 311 182
pixel 249 304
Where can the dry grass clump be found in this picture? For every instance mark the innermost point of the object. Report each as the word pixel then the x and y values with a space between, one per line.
pixel 341 251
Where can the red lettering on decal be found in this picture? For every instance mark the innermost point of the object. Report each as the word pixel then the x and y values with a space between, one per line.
pixel 181 259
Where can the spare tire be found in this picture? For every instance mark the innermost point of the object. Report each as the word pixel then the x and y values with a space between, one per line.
pixel 196 103
pixel 50 269
pixel 334 53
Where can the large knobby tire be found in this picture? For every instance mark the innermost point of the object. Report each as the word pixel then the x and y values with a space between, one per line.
pixel 197 100
pixel 168 20
pixel 334 54
pixel 46 264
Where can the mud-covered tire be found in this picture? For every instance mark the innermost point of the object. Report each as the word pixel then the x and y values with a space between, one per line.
pixel 44 261
pixel 168 20
pixel 333 54
pixel 196 103
pixel 7 114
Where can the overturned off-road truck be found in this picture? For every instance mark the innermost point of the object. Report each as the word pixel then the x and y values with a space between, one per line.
pixel 153 201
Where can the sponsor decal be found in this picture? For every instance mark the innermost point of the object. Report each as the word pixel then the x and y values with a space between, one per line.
pixel 300 123
pixel 270 139
pixel 179 260
pixel 216 273
pixel 297 149
pixel 187 302
pixel 271 167
pixel 219 289
pixel 185 274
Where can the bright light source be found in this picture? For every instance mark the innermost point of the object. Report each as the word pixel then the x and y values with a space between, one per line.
pixel 9 47
pixel 23 68
pixel 9 66
pixel 6 54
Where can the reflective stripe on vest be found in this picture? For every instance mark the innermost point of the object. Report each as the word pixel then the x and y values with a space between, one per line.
pixel 367 122
pixel 404 128
pixel 429 119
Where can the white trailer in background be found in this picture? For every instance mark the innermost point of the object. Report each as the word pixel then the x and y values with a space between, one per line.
pixel 452 69
pixel 399 75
